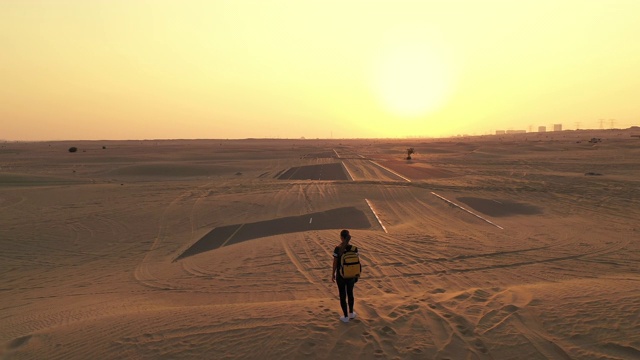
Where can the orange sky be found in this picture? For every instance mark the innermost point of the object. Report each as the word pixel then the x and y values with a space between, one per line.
pixel 159 69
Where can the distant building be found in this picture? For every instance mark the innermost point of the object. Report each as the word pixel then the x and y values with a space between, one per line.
pixel 516 131
pixel 542 129
pixel 557 127
pixel 499 132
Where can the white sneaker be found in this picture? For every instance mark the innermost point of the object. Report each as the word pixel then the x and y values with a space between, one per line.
pixel 344 319
pixel 353 315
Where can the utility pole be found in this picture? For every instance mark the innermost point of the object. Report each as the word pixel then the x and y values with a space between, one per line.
pixel 577 125
pixel 612 122
pixel 601 124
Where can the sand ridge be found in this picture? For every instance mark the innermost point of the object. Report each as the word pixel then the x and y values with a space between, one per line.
pixel 93 243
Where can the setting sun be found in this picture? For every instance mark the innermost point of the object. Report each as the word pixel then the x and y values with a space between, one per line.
pixel 411 77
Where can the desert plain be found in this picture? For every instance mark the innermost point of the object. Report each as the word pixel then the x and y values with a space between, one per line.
pixel 522 246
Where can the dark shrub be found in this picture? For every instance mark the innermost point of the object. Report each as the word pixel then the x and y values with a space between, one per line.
pixel 73 149
pixel 409 152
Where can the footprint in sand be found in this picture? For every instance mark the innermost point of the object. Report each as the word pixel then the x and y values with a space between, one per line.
pixel 387 330
pixel 462 297
pixel 411 307
pixel 480 346
pixel 510 308
pixel 463 329
pixel 480 295
pixel 319 328
pixel 18 342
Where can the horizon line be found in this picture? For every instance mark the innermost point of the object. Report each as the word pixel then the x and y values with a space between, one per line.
pixel 325 138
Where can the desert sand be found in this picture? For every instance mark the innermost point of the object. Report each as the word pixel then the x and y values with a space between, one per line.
pixel 493 247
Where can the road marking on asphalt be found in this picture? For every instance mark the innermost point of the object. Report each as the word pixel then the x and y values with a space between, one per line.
pixel 376 215
pixel 391 171
pixel 232 235
pixel 338 155
pixel 469 211
pixel 310 220
pixel 348 172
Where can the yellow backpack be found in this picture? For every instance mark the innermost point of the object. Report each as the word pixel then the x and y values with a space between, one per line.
pixel 350 263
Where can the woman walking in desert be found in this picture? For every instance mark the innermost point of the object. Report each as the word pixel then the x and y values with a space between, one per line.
pixel 346 271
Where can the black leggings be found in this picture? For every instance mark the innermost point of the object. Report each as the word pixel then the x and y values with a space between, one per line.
pixel 345 287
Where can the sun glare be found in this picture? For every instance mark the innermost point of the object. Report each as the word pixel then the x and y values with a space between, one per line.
pixel 412 79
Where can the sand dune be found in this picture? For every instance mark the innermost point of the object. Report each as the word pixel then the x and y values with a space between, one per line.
pixel 221 249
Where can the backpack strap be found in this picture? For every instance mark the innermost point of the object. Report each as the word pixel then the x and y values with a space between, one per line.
pixel 345 249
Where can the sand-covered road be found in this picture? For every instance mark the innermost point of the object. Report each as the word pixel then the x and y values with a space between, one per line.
pixel 222 248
